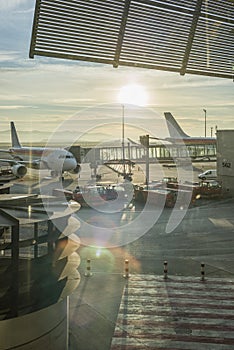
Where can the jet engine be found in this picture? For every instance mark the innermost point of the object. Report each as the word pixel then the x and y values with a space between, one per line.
pixel 19 170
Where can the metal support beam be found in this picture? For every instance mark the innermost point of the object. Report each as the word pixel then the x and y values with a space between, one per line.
pixel 191 36
pixel 121 33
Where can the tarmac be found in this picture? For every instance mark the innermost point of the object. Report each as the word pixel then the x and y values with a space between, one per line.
pixel 145 311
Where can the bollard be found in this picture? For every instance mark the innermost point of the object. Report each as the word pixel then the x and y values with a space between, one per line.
pixel 202 271
pixel 88 268
pixel 165 269
pixel 126 269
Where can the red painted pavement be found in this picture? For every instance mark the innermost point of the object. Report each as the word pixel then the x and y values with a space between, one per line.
pixel 177 313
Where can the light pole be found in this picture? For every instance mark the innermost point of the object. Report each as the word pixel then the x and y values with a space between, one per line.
pixel 204 110
pixel 123 146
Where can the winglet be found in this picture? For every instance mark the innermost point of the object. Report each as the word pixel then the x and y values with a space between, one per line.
pixel 14 137
pixel 173 127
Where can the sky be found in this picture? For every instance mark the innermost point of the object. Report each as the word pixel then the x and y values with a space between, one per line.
pixel 73 100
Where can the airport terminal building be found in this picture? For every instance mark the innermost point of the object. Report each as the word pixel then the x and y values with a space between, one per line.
pixel 225 160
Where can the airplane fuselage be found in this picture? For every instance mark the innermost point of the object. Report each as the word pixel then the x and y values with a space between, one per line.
pixel 192 140
pixel 59 160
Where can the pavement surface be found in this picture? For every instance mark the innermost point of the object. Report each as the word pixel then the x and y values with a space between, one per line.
pixel 93 311
pixel 110 312
pixel 176 313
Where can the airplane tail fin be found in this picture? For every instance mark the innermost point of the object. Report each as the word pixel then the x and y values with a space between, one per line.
pixel 173 127
pixel 14 137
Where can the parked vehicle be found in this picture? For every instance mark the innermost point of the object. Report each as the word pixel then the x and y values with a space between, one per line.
pixel 95 194
pixel 210 189
pixel 155 196
pixel 210 174
pixel 166 182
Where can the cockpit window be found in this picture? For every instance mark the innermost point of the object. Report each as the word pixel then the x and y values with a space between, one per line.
pixel 68 156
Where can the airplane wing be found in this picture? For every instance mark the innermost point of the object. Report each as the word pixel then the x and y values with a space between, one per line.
pixel 35 163
pixel 5 151
pixel 166 140
pixel 9 161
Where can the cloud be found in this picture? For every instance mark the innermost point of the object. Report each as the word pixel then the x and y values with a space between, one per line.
pixel 30 10
pixel 11 107
pixel 14 4
pixel 72 100
pixel 7 56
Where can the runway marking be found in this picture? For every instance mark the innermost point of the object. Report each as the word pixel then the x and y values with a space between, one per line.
pixel 178 313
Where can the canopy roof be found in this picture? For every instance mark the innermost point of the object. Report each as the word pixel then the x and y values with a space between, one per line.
pixel 186 36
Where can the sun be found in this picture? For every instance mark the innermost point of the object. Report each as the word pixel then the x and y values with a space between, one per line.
pixel 133 94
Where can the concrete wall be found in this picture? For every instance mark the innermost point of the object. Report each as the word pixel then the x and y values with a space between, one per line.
pixel 44 329
pixel 225 160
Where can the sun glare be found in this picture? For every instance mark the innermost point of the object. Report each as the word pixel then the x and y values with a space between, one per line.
pixel 133 94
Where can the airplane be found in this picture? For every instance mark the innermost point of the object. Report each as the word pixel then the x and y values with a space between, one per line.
pixel 177 134
pixel 58 160
pixel 198 147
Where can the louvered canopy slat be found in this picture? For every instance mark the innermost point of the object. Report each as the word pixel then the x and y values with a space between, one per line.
pixel 187 36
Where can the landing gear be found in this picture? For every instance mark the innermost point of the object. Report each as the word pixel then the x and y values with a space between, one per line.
pixel 54 174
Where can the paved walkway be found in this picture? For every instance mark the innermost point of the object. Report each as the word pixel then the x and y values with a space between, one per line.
pixel 94 307
pixel 176 313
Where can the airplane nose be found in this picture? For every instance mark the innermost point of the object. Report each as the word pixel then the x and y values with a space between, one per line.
pixel 69 164
pixel 74 164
